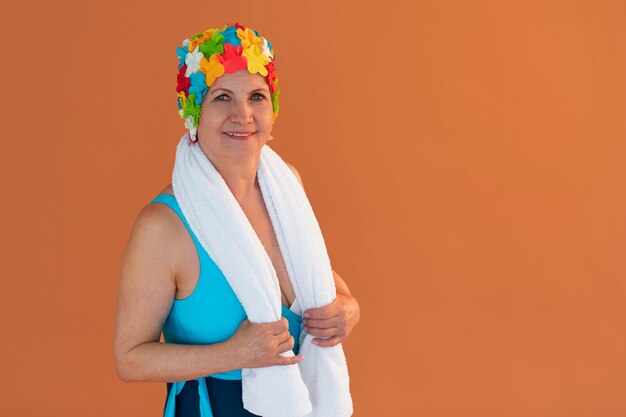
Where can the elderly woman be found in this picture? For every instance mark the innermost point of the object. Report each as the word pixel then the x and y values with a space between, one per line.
pixel 228 261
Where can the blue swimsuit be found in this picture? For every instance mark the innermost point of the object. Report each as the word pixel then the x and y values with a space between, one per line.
pixel 211 314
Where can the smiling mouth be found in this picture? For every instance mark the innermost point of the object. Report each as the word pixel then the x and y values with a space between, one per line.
pixel 239 134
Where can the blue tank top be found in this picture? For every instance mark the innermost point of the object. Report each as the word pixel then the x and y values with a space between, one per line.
pixel 211 314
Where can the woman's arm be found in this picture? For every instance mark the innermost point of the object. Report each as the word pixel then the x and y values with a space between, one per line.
pixel 147 289
pixel 340 285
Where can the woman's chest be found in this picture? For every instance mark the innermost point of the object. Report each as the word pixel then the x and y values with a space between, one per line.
pixel 188 262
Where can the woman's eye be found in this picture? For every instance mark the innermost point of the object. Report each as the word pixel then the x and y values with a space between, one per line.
pixel 255 97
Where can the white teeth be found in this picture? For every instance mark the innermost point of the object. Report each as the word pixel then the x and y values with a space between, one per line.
pixel 237 134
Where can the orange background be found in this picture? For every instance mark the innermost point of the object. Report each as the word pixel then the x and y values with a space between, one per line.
pixel 466 161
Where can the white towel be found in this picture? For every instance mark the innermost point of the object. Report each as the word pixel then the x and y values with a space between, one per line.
pixel 318 386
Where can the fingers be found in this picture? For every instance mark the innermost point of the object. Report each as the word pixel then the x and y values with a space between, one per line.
pixel 332 331
pixel 327 311
pixel 282 338
pixel 326 337
pixel 332 341
pixel 289 360
pixel 323 323
pixel 279 326
pixel 286 345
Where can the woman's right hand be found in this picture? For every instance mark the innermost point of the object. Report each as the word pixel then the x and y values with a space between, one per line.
pixel 257 345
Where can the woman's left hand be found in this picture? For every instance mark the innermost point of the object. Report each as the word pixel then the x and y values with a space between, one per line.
pixel 334 321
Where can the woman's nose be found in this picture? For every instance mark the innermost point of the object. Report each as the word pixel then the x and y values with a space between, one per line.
pixel 242 113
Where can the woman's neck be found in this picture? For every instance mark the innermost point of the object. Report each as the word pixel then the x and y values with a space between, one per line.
pixel 240 176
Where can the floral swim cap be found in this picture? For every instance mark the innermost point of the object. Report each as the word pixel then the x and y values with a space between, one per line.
pixel 216 52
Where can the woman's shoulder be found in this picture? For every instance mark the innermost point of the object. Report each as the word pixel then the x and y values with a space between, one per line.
pixel 158 219
pixel 151 250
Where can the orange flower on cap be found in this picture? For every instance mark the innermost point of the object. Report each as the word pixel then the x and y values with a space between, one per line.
pixel 199 39
pixel 212 68
pixel 210 32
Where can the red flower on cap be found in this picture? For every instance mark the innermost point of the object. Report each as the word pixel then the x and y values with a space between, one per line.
pixel 182 81
pixel 233 60
pixel 271 76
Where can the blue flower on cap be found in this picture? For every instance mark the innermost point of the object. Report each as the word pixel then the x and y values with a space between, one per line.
pixel 181 52
pixel 230 36
pixel 198 86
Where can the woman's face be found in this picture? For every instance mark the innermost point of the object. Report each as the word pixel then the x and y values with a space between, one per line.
pixel 241 103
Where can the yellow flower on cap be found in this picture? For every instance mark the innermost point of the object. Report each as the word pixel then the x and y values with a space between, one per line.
pixel 215 30
pixel 248 38
pixel 181 97
pixel 256 60
pixel 212 68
